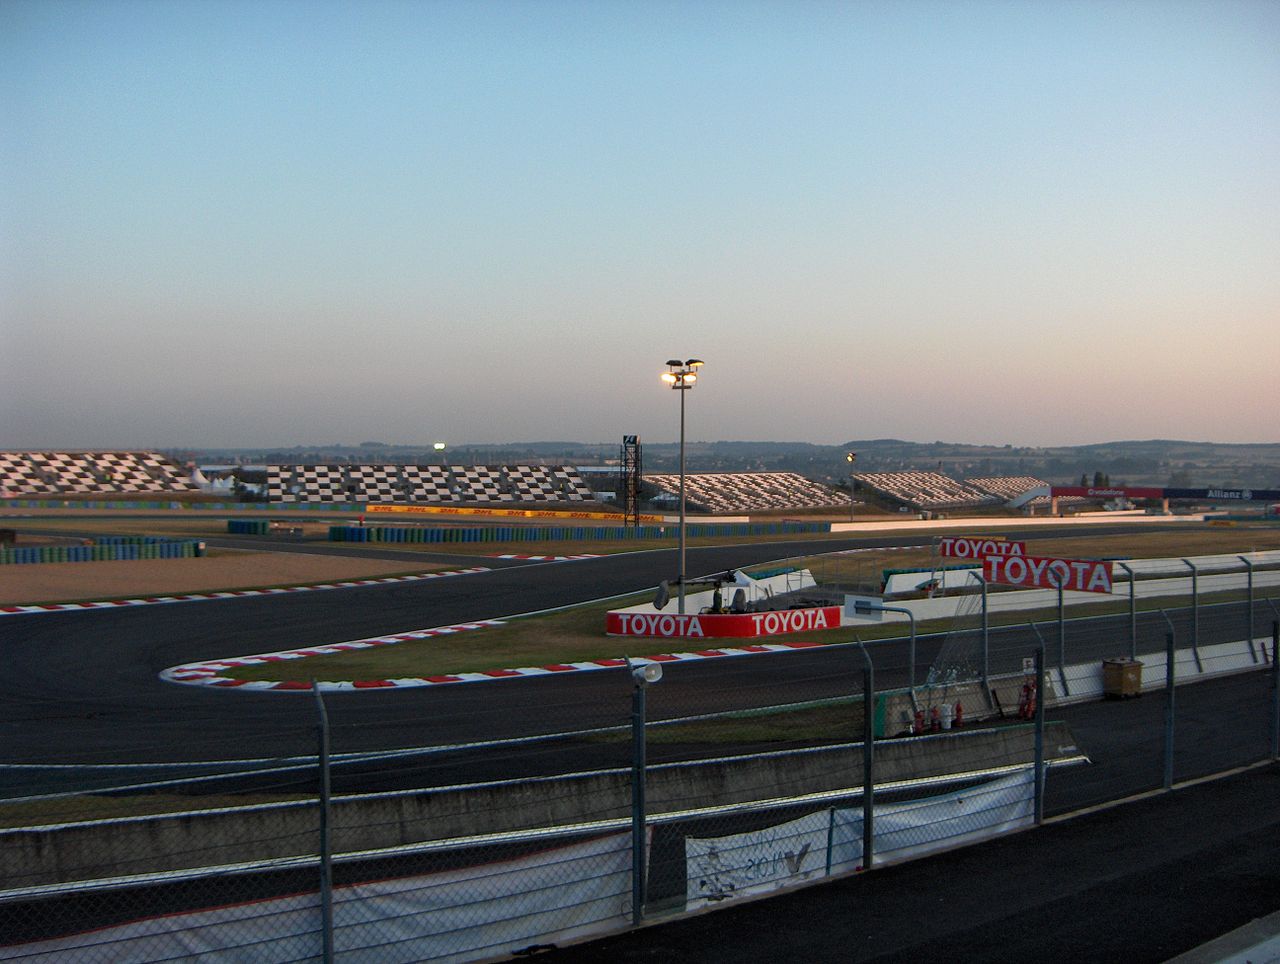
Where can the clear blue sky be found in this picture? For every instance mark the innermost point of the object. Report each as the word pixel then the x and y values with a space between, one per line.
pixel 256 224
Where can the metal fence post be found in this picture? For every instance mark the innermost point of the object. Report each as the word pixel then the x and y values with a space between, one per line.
pixel 326 844
pixel 1169 688
pixel 868 758
pixel 1195 613
pixel 1062 640
pixel 1039 755
pixel 638 681
pixel 911 656
pixel 1275 690
pixel 1133 611
pixel 1249 605
pixel 986 634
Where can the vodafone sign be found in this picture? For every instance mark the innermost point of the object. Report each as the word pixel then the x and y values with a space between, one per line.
pixel 1080 575
pixel 722 625
pixel 962 547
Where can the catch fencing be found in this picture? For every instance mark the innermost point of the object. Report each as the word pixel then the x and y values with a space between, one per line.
pixel 602 800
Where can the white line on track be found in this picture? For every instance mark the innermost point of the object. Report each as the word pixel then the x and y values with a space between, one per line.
pixel 233 594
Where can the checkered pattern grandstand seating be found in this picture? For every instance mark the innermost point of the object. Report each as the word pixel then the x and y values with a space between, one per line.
pixel 531 484
pixel 926 490
pixel 66 473
pixel 428 483
pixel 479 483
pixel 424 483
pixel 750 491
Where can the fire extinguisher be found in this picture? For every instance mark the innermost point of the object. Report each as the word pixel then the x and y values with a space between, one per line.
pixel 918 725
pixel 1027 704
pixel 935 720
pixel 958 720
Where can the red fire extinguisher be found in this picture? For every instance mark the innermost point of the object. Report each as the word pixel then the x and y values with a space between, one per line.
pixel 959 715
pixel 935 720
pixel 918 725
pixel 1027 704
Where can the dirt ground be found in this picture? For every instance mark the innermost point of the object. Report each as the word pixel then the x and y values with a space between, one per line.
pixel 78 581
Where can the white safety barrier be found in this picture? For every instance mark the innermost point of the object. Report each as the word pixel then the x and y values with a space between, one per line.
pixel 830 841
pixel 473 913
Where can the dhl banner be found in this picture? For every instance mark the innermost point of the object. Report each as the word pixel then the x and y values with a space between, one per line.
pixel 504 513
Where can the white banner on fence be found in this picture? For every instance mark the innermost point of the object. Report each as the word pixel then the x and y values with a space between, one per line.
pixel 907 830
pixel 720 868
pixel 472 913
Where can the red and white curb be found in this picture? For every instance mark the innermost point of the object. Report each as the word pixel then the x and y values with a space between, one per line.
pixel 208 673
pixel 236 594
pixel 585 555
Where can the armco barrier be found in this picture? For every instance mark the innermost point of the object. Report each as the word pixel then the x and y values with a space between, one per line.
pixel 350 533
pixel 100 552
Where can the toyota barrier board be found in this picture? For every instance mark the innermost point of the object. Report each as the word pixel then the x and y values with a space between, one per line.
pixel 722 625
pixel 963 547
pixel 1079 575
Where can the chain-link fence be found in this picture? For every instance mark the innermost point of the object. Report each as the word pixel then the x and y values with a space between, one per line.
pixel 651 788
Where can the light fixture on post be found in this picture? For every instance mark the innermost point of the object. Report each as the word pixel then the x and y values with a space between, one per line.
pixel 851 457
pixel 681 376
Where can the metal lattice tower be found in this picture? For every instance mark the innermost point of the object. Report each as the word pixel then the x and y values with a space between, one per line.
pixel 630 479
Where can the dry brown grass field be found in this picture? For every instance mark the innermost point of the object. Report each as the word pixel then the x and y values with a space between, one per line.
pixel 220 570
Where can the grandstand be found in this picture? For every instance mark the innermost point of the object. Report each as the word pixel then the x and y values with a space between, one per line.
pixel 926 490
pixel 425 483
pixel 750 491
pixel 1009 487
pixel 83 473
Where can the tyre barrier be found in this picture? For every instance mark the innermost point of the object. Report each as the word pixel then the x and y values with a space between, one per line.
pixel 102 551
pixel 249 527
pixel 349 533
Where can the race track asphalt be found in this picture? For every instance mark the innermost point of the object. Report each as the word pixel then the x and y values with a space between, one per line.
pixel 83 687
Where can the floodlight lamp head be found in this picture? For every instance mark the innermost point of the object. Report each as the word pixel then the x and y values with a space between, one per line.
pixel 669 377
pixel 695 363
pixel 851 457
pixel 674 362
pixel 646 674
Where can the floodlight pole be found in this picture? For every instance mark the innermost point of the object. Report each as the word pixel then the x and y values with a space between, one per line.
pixel 681 376
pixel 851 458
pixel 682 510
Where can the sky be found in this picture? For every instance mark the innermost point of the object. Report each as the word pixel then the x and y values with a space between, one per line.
pixel 260 224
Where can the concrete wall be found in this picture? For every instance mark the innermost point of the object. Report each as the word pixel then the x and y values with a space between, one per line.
pixel 108 849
